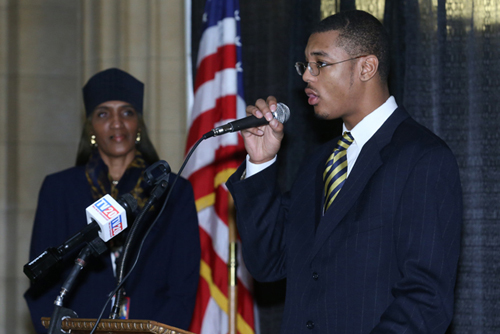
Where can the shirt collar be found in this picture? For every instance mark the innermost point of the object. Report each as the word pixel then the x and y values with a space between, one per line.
pixel 365 129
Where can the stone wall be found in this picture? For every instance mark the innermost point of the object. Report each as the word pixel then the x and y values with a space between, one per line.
pixel 48 49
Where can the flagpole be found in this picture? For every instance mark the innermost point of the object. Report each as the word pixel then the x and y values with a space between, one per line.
pixel 232 269
pixel 188 61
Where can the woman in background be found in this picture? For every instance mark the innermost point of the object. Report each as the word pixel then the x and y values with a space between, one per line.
pixel 114 151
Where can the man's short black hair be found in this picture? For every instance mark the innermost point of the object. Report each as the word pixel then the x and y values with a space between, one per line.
pixel 360 33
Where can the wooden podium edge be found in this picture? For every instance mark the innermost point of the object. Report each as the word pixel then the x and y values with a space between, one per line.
pixel 77 326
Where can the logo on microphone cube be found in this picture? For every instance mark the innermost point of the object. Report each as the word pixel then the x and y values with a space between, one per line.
pixel 109 215
pixel 116 226
pixel 106 208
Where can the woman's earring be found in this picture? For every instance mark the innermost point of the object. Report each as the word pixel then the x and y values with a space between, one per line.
pixel 138 138
pixel 93 143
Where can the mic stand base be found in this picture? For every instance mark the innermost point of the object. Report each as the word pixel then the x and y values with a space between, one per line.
pixel 60 313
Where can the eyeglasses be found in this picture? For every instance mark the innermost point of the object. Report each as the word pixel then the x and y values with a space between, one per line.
pixel 315 67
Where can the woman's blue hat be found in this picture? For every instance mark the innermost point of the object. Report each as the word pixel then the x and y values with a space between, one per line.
pixel 113 85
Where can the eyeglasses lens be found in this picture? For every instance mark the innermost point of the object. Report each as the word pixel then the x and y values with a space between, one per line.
pixel 314 68
pixel 300 67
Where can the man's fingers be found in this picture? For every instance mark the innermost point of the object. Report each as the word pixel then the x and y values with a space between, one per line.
pixel 253 131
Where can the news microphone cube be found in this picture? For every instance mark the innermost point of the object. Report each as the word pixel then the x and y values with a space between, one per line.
pixel 111 217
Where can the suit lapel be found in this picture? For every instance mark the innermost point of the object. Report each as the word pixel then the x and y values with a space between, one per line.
pixel 367 163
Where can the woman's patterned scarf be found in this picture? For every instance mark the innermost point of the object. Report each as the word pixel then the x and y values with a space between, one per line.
pixel 131 182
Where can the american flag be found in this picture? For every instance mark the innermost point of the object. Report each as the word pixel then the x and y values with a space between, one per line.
pixel 218 99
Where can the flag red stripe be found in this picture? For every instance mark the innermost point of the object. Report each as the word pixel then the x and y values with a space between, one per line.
pixel 225 108
pixel 221 206
pixel 203 178
pixel 220 278
pixel 201 125
pixel 225 57
pixel 202 299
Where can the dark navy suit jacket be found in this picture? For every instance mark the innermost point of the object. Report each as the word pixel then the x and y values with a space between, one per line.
pixel 383 259
pixel 163 285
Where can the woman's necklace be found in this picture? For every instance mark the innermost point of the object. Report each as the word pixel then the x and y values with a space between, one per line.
pixel 114 182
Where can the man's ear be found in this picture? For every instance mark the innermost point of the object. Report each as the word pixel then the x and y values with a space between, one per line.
pixel 369 67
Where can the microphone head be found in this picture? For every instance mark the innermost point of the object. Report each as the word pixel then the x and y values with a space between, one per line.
pixel 282 113
pixel 128 202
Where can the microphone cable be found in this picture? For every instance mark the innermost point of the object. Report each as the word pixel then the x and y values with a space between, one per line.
pixel 118 287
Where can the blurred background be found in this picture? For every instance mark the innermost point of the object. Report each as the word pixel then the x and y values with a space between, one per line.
pixel 48 50
pixel 445 70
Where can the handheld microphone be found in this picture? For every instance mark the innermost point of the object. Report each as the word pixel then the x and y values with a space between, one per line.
pixel 106 218
pixel 282 114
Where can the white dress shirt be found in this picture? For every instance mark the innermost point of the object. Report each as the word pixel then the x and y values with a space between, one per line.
pixel 365 129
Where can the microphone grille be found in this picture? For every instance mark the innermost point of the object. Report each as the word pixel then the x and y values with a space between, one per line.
pixel 282 113
pixel 128 202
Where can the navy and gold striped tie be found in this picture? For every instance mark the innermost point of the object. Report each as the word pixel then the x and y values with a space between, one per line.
pixel 336 169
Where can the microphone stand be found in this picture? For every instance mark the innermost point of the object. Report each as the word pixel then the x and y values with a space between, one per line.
pixel 95 247
pixel 39 267
pixel 161 185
